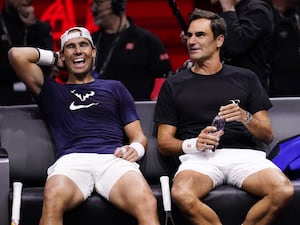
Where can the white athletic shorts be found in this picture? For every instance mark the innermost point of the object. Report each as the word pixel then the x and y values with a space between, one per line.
pixel 91 171
pixel 226 166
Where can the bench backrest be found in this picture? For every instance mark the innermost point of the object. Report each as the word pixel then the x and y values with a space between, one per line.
pixel 27 141
pixel 285 118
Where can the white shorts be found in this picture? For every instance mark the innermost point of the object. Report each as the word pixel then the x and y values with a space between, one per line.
pixel 226 166
pixel 91 171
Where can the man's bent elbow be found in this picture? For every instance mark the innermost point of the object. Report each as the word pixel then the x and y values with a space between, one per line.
pixel 13 55
pixel 269 138
pixel 161 149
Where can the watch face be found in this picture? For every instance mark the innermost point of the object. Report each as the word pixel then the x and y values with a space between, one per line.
pixel 249 117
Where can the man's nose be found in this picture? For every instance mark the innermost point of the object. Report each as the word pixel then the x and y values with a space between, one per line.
pixel 77 49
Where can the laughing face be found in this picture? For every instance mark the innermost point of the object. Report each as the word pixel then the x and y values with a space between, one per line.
pixel 78 56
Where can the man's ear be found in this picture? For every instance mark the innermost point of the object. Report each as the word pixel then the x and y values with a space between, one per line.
pixel 220 40
pixel 61 55
pixel 94 51
pixel 61 59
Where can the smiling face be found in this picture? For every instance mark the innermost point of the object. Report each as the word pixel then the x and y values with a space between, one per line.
pixel 201 43
pixel 78 56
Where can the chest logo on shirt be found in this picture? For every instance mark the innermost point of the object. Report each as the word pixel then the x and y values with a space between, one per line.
pixel 129 46
pixel 82 97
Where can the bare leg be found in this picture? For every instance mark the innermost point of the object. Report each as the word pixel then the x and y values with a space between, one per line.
pixel 187 189
pixel 133 195
pixel 60 194
pixel 275 189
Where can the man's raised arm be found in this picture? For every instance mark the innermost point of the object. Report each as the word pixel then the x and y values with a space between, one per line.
pixel 26 62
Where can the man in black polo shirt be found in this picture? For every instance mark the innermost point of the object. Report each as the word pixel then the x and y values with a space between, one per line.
pixel 127 53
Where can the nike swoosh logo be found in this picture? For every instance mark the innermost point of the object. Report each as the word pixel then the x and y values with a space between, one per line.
pixel 77 107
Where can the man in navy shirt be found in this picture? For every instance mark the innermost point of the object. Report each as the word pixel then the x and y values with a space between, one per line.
pixel 88 118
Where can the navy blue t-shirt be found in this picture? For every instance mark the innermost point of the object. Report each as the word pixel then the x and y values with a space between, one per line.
pixel 87 118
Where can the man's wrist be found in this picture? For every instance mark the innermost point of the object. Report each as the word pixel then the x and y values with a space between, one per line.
pixel 249 117
pixel 139 148
pixel 46 57
pixel 190 145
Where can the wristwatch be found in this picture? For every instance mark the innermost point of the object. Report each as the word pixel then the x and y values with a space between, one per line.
pixel 249 117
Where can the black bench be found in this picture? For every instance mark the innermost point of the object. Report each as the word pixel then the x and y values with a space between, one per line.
pixel 27 151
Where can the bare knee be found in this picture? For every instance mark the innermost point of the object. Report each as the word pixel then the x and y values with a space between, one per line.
pixel 151 202
pixel 182 196
pixel 52 195
pixel 143 206
pixel 58 193
pixel 284 192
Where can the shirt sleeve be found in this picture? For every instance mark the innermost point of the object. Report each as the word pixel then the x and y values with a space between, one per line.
pixel 259 99
pixel 127 106
pixel 165 111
